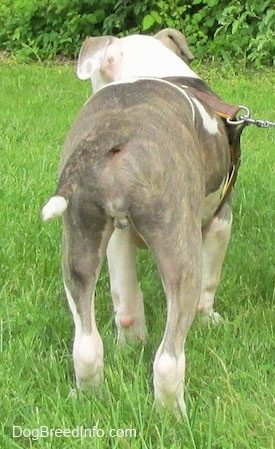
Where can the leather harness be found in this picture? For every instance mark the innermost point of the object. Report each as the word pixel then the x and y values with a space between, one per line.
pixel 228 112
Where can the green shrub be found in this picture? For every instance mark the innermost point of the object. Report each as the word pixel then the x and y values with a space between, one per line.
pixel 44 29
pixel 220 29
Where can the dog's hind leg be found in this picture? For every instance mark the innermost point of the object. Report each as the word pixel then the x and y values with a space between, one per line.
pixel 126 293
pixel 178 254
pixel 215 240
pixel 84 247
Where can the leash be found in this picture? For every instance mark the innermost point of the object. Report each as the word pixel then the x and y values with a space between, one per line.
pixel 237 124
pixel 246 119
pixel 229 111
pixel 234 123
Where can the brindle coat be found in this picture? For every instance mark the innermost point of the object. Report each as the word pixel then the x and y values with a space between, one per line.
pixel 144 158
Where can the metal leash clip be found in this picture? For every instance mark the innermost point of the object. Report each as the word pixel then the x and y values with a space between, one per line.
pixel 245 118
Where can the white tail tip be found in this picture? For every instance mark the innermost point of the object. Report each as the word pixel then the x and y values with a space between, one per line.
pixel 55 207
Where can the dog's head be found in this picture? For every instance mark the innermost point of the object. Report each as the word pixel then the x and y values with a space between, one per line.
pixel 106 59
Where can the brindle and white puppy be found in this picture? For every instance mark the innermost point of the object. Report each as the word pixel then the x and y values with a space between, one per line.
pixel 146 162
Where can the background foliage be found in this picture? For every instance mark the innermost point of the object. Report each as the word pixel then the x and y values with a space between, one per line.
pixel 216 29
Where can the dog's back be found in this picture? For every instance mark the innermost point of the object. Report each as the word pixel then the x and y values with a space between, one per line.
pixel 131 138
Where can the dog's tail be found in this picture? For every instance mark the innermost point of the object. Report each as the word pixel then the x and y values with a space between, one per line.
pixel 85 157
pixel 67 185
pixel 68 182
pixel 55 207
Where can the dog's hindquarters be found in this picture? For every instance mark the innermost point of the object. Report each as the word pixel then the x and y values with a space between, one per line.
pixel 140 165
pixel 161 183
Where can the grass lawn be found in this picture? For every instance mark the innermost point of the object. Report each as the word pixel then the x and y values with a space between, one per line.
pixel 230 386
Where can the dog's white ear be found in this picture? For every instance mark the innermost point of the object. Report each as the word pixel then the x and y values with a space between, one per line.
pixel 91 55
pixel 175 41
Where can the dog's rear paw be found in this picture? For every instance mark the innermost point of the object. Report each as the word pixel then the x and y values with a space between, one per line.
pixel 211 318
pixel 131 334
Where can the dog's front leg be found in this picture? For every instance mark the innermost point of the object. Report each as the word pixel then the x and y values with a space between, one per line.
pixel 215 240
pixel 126 293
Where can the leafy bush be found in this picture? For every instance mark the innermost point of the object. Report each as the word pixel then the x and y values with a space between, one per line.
pixel 220 29
pixel 44 29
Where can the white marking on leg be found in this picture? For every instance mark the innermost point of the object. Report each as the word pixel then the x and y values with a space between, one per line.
pixel 169 374
pixel 125 289
pixel 209 123
pixel 87 350
pixel 215 241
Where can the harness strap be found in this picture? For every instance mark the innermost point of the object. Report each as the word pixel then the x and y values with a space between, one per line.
pixel 221 108
pixel 235 156
pixel 228 113
pixel 234 130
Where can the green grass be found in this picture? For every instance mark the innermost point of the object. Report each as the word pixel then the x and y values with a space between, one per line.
pixel 230 388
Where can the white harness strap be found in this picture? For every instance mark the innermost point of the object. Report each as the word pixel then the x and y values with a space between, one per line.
pixel 181 89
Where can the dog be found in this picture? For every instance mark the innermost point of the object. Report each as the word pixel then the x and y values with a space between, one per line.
pixel 146 163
